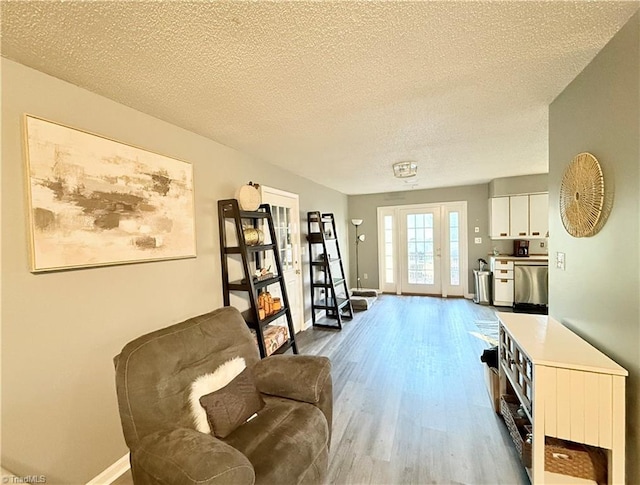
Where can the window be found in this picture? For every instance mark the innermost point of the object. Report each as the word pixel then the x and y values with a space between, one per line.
pixel 420 249
pixel 454 248
pixel 282 226
pixel 388 249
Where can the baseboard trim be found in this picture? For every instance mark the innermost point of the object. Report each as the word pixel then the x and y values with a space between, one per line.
pixel 112 473
pixel 308 324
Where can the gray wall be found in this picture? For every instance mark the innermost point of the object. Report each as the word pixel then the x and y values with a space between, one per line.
pixel 365 207
pixel 598 295
pixel 60 331
pixel 524 184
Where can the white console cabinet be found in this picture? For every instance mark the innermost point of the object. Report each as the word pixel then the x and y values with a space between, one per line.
pixel 569 390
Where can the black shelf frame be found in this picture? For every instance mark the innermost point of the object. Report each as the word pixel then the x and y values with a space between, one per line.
pixel 252 256
pixel 329 290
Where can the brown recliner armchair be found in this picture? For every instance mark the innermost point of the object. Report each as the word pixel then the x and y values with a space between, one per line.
pixel 287 442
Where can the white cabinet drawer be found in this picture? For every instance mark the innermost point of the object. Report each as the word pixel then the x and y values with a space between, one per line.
pixel 502 264
pixel 505 274
pixel 502 291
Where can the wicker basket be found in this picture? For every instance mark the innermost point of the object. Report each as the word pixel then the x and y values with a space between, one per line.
pixel 508 408
pixel 575 459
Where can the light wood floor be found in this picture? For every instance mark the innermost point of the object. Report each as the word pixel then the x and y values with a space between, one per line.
pixel 410 405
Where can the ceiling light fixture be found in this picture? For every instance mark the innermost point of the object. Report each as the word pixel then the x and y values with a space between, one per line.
pixel 403 170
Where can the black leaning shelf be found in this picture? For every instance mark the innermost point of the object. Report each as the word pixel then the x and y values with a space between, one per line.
pixel 329 290
pixel 252 256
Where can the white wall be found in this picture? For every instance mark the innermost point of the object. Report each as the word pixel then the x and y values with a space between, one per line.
pixel 61 330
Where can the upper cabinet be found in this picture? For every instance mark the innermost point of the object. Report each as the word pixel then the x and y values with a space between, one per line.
pixel 539 215
pixel 499 217
pixel 519 216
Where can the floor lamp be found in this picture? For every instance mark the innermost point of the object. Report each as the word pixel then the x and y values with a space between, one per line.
pixel 359 239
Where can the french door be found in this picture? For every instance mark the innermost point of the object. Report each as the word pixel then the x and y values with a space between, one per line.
pixel 419 251
pixel 286 222
pixel 423 249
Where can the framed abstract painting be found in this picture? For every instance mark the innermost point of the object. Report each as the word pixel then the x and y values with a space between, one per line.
pixel 93 201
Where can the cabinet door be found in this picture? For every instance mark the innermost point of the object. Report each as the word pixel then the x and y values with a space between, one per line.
pixel 519 215
pixel 499 217
pixel 502 291
pixel 538 215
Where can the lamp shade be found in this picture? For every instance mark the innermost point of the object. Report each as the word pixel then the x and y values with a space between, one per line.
pixel 356 222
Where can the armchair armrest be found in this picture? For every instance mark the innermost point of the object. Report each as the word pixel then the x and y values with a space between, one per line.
pixel 187 456
pixel 298 377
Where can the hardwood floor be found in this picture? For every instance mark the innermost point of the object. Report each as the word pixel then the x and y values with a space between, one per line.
pixel 410 405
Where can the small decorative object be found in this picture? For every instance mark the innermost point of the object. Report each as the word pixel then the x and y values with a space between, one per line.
pixel 263 274
pixel 253 236
pixel 277 305
pixel 249 197
pixel 94 201
pixel 582 196
pixel 265 302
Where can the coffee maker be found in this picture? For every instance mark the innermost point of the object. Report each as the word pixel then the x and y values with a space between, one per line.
pixel 520 248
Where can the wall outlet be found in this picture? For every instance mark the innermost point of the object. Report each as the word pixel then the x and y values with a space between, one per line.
pixel 478 240
pixel 365 276
pixel 560 261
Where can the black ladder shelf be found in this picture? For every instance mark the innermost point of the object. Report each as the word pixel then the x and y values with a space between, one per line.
pixel 233 243
pixel 329 290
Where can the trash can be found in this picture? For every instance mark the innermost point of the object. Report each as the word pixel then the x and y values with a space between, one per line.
pixel 483 287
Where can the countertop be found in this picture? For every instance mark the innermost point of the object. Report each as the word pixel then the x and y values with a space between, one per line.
pixel 531 257
pixel 547 342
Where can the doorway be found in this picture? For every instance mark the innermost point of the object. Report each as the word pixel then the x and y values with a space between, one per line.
pixel 423 249
pixel 285 210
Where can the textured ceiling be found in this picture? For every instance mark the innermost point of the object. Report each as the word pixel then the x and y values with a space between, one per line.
pixel 334 91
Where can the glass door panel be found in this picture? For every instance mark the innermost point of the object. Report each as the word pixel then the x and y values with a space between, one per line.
pixel 454 248
pixel 420 250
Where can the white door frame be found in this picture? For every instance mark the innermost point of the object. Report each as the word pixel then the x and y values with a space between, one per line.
pixel 445 208
pixel 268 193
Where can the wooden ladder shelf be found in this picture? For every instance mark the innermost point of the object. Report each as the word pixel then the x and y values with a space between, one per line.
pixel 240 247
pixel 329 290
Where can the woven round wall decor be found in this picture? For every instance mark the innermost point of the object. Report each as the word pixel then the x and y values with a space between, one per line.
pixel 582 196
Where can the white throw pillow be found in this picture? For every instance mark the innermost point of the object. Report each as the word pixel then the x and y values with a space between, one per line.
pixel 208 383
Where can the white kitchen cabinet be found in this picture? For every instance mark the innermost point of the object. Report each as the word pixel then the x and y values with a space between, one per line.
pixel 538 215
pixel 568 389
pixel 519 216
pixel 503 291
pixel 499 217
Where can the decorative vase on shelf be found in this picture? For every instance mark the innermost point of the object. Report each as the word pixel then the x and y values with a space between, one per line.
pixel 249 197
pixel 253 236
